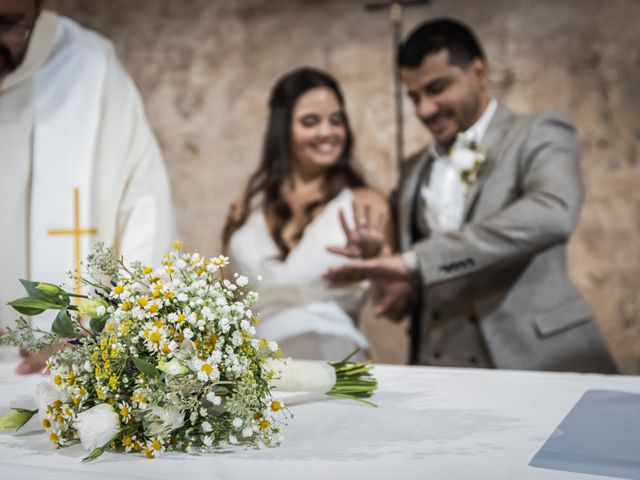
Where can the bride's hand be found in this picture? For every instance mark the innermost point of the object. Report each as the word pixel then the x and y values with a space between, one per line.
pixel 367 239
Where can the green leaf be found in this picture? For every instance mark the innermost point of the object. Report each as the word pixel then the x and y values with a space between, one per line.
pixel 146 367
pixel 29 311
pixel 16 419
pixel 93 455
pixel 97 324
pixel 96 452
pixel 33 306
pixel 63 325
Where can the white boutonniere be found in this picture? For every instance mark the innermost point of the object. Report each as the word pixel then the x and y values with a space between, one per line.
pixel 468 157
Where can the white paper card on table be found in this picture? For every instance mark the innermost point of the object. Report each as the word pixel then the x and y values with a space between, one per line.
pixel 599 436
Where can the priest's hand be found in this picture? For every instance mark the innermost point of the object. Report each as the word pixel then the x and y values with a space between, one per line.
pixel 367 238
pixel 35 362
pixel 385 269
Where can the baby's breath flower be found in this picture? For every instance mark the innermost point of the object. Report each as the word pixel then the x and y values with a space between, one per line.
pixel 213 398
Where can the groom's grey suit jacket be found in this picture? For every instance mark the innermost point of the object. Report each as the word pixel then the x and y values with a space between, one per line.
pixel 503 275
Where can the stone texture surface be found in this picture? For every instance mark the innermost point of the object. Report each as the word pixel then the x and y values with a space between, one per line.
pixel 205 68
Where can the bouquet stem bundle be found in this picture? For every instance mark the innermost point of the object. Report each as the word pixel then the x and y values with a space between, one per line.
pixel 354 381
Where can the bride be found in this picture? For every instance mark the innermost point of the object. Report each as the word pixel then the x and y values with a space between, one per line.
pixel 295 220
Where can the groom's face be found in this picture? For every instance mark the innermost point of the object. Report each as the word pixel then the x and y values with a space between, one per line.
pixel 17 18
pixel 448 99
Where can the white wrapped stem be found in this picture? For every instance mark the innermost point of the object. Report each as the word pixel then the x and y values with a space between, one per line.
pixel 302 376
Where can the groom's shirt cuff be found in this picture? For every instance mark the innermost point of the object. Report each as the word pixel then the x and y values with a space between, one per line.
pixel 410 259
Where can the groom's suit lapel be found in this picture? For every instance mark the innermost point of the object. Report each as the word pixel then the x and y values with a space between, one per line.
pixel 493 142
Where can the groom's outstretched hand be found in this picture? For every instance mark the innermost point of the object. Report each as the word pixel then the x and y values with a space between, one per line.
pixel 388 268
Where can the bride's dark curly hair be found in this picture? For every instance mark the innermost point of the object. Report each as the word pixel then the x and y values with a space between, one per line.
pixel 275 165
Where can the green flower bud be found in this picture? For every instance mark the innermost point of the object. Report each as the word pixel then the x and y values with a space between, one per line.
pixel 93 307
pixel 16 419
pixel 49 289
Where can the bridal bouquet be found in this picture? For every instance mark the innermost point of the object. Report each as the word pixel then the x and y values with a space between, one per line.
pixel 168 361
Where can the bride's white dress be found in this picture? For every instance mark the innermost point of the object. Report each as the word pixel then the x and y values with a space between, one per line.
pixel 297 308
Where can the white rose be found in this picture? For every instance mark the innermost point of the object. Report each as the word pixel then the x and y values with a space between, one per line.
pixel 46 394
pixel 163 420
pixel 97 426
pixel 463 158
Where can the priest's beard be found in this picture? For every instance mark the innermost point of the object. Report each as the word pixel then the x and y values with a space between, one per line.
pixel 8 61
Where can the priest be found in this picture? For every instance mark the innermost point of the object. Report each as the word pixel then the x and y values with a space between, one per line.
pixel 80 163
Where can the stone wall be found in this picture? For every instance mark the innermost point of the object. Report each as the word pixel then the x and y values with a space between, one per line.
pixel 205 68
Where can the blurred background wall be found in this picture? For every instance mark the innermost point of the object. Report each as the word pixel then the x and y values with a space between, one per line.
pixel 205 68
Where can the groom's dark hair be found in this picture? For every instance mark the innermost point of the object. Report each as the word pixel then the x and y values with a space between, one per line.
pixel 442 33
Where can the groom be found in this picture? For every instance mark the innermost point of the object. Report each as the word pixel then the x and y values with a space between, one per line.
pixel 484 215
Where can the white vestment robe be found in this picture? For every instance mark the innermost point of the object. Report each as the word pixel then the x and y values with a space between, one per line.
pixel 72 119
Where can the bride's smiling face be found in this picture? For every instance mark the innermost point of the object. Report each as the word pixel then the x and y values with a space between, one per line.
pixel 318 130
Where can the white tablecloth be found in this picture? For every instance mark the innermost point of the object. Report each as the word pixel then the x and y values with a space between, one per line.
pixel 434 423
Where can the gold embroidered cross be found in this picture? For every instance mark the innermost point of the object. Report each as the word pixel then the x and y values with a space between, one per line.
pixel 77 232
